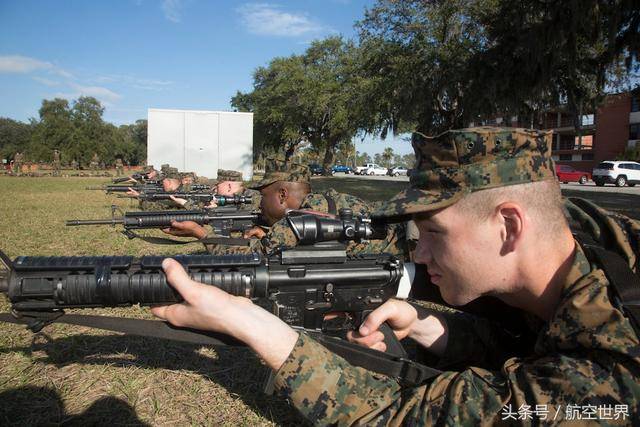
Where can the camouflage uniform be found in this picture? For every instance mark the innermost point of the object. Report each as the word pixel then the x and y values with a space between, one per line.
pixel 95 162
pixel 281 235
pixel 586 356
pixel 56 163
pixel 119 167
pixel 235 176
pixel 17 163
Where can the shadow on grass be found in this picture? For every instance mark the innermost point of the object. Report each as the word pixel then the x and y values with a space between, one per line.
pixel 30 405
pixel 236 369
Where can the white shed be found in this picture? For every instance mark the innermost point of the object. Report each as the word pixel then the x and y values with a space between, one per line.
pixel 201 141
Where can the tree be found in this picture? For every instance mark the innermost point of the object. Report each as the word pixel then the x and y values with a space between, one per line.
pixel 14 136
pixel 386 156
pixel 54 130
pixel 437 65
pixel 311 97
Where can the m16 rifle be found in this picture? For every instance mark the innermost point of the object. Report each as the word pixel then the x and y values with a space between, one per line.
pixel 223 220
pixel 301 286
pixel 196 196
pixel 146 188
pixel 136 176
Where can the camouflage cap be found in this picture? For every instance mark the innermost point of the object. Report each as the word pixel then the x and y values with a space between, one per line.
pixel 459 162
pixel 229 175
pixel 169 172
pixel 276 169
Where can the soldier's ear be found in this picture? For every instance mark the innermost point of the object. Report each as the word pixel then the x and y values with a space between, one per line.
pixel 512 222
pixel 283 194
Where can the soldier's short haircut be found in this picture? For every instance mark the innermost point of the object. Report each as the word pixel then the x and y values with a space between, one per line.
pixel 298 189
pixel 542 200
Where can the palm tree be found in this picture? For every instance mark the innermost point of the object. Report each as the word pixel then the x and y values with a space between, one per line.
pixel 387 155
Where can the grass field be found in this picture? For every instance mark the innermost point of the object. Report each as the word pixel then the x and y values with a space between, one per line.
pixel 83 376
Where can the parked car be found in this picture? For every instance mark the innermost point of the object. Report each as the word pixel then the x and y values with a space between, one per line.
pixel 316 169
pixel 619 173
pixel 374 169
pixel 567 174
pixel 341 168
pixel 360 169
pixel 397 171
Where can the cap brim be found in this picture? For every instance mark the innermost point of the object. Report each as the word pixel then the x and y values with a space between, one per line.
pixel 261 184
pixel 414 200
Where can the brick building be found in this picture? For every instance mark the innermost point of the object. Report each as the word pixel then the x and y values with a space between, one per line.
pixel 614 127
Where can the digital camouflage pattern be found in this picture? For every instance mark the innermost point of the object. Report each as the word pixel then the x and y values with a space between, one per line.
pixel 56 163
pixel 17 163
pixel 228 175
pixel 277 169
pixel 458 162
pixel 281 236
pixel 119 167
pixel 587 355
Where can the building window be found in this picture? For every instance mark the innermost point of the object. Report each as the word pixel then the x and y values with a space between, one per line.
pixel 566 142
pixel 635 103
pixel 587 142
pixel 587 120
pixel 634 131
pixel 565 157
pixel 587 156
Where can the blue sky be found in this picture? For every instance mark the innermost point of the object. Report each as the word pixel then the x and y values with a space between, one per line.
pixel 138 54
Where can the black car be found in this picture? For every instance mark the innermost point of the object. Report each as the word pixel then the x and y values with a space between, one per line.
pixel 316 169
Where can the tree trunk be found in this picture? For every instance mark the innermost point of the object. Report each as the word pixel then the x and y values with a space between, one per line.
pixel 329 155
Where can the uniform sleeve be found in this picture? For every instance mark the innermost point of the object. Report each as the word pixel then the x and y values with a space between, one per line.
pixel 328 390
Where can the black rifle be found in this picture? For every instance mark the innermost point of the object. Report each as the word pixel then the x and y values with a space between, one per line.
pixel 300 286
pixel 196 196
pixel 224 220
pixel 137 176
pixel 147 188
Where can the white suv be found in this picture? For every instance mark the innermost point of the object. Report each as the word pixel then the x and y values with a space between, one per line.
pixel 619 172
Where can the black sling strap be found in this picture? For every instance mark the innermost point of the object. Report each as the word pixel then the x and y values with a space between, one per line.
pixel 624 282
pixel 395 366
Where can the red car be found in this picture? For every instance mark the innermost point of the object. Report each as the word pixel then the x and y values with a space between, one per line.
pixel 568 174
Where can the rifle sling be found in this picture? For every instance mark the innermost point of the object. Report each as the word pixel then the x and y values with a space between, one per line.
pixel 406 371
pixel 228 241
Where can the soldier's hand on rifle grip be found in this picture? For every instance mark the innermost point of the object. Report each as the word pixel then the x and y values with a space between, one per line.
pixel 399 315
pixel 257 232
pixel 132 192
pixel 178 201
pixel 186 229
pixel 212 204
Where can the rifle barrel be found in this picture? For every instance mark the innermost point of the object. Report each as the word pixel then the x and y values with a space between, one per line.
pixel 112 221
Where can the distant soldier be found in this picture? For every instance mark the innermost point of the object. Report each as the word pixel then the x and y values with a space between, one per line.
pixel 95 161
pixel 119 167
pixel 17 163
pixel 56 163
pixel 74 164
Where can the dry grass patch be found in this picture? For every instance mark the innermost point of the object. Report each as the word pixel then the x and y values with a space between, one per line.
pixel 83 376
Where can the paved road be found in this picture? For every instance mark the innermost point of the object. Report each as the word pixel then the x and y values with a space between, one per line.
pixel 625 200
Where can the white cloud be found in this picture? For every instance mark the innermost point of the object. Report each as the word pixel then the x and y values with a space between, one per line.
pixel 46 82
pixel 135 82
pixel 22 64
pixel 172 10
pixel 25 65
pixel 106 96
pixel 268 19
